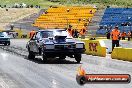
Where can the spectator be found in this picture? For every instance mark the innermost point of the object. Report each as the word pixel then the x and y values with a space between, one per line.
pixel 120 36
pixel 91 12
pixel 123 35
pixel 24 5
pixel 36 6
pixel 75 33
pixel 129 35
pixel 108 34
pixel 32 33
pixel 68 10
pixel 4 6
pixel 115 37
pixel 83 32
pixel 27 6
pixel 6 9
pixel 70 30
pixel 31 6
pixel 12 26
pixel 51 6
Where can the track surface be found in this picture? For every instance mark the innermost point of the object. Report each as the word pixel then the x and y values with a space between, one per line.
pixel 16 71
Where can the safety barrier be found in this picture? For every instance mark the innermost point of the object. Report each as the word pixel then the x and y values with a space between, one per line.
pixel 94 47
pixel 122 54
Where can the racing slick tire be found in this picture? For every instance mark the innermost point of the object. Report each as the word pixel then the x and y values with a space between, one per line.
pixel 31 55
pixel 78 57
pixel 44 58
pixel 5 44
pixel 8 44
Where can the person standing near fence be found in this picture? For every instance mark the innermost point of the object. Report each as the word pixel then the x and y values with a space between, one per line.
pixel 123 35
pixel 115 37
pixel 83 32
pixel 32 33
pixel 129 35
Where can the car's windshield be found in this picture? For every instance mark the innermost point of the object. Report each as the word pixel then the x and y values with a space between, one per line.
pixel 46 34
pixel 62 33
pixel 3 34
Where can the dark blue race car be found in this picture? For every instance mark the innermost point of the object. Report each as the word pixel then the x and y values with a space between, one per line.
pixel 4 38
pixel 53 43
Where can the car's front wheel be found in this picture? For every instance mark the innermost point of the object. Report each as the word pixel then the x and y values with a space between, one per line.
pixel 78 57
pixel 31 55
pixel 5 44
pixel 8 44
pixel 44 57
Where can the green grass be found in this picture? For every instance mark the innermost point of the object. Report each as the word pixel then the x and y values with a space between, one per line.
pixel 46 3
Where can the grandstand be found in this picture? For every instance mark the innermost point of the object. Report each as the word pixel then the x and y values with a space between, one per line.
pixel 61 17
pixel 116 16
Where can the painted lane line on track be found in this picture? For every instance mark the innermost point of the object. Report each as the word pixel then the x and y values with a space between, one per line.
pixel 3 84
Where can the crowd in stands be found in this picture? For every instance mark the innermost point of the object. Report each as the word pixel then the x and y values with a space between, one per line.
pixel 22 5
pixel 75 33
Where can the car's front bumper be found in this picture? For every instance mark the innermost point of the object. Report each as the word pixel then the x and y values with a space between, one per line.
pixel 56 52
pixel 3 42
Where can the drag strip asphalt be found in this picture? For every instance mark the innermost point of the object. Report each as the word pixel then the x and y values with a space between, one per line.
pixel 16 71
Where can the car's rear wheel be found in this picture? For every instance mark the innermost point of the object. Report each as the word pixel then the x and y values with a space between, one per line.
pixel 31 55
pixel 78 57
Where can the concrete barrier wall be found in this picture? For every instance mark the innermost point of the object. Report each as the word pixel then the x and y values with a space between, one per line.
pixel 122 54
pixel 94 47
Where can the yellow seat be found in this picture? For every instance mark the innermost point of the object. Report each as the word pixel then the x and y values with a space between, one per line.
pixel 60 18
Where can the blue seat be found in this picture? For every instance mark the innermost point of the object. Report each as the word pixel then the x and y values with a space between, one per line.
pixel 116 16
pixel 101 31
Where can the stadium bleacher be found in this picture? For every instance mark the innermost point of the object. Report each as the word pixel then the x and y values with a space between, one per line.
pixel 116 16
pixel 61 17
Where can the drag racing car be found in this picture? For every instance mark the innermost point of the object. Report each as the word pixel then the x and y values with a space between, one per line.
pixel 11 33
pixel 52 43
pixel 4 38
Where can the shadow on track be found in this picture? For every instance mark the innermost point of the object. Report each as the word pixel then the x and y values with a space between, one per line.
pixel 52 61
